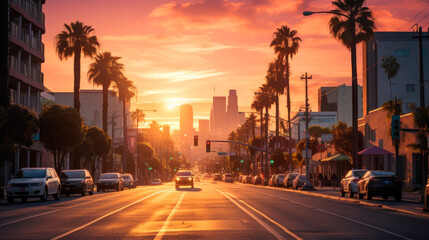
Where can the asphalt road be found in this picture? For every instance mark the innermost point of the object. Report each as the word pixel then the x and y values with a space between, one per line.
pixel 210 211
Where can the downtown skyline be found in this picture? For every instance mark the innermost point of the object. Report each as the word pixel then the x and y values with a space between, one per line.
pixel 169 49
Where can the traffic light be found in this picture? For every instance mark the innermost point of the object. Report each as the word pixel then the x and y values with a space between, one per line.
pixel 150 168
pixel 242 161
pixel 207 146
pixel 396 127
pixel 272 162
pixel 171 158
pixel 195 140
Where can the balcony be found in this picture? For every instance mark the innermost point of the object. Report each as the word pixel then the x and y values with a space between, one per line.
pixel 31 9
pixel 22 68
pixel 25 37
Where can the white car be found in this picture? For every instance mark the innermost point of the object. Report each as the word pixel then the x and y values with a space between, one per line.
pixel 156 181
pixel 34 182
pixel 349 184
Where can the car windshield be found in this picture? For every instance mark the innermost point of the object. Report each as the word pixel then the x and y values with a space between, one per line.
pixel 126 176
pixel 72 174
pixel 31 173
pixel 181 174
pixel 109 176
pixel 359 174
pixel 382 174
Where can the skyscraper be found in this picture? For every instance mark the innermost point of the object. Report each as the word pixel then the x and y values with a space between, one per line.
pixel 218 117
pixel 203 126
pixel 186 119
pixel 232 110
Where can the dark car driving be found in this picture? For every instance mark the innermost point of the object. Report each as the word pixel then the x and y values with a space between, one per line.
pixel 380 183
pixel 76 182
pixel 184 178
pixel 110 181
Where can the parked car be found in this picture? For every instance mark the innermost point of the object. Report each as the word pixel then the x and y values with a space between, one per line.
pixel 349 183
pixel 288 180
pixel 299 181
pixel 110 181
pixel 380 183
pixel 76 182
pixel 278 180
pixel 34 183
pixel 248 179
pixel 271 181
pixel 227 177
pixel 240 178
pixel 184 177
pixel 128 180
pixel 257 180
pixel 156 181
pixel 217 177
pixel 426 197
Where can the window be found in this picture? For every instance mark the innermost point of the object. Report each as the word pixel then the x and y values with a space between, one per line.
pixel 402 53
pixel 410 87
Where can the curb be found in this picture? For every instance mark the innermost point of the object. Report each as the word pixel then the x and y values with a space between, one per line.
pixel 356 201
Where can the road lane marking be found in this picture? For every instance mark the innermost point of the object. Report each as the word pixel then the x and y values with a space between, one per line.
pixel 268 218
pixel 263 224
pixel 53 211
pixel 340 216
pixel 106 215
pixel 167 222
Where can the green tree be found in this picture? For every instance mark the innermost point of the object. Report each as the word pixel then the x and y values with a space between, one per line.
pixel 76 39
pixel 61 130
pixel 97 145
pixel 103 71
pixel 352 23
pixel 343 138
pixel 316 131
pixel 17 127
pixel 391 67
pixel 278 158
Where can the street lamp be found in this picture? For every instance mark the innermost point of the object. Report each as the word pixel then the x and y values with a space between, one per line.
pixel 354 79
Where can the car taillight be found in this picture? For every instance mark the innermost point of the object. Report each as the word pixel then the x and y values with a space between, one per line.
pixel 372 179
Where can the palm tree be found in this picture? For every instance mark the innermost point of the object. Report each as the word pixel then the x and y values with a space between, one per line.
pixel 286 44
pixel 125 90
pixel 138 116
pixel 251 120
pixel 394 107
pixel 421 119
pixel 277 85
pixel 103 71
pixel 353 23
pixel 74 40
pixel 391 67
pixel 267 100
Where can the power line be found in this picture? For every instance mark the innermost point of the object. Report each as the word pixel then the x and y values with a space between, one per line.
pixel 427 5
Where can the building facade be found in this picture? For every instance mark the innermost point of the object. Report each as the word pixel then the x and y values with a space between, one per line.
pixel 186 119
pixel 377 88
pixel 218 117
pixel 26 22
pixel 232 110
pixel 323 119
pixel 339 99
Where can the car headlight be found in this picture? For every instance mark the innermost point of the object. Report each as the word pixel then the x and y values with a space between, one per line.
pixel 190 179
pixel 178 179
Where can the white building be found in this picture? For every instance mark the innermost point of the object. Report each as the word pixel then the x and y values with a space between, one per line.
pixel 339 99
pixel 405 85
pixel 323 119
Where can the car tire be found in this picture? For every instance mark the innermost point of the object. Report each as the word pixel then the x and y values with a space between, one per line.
pixel 10 200
pixel 24 199
pixel 360 195
pixel 368 195
pixel 342 193
pixel 44 197
pixel 92 191
pixel 398 197
pixel 351 193
pixel 84 191
pixel 57 195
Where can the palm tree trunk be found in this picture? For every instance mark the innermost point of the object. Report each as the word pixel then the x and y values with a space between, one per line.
pixel 277 117
pixel 261 142
pixel 354 100
pixel 288 113
pixel 105 107
pixel 124 119
pixel 76 69
pixel 266 142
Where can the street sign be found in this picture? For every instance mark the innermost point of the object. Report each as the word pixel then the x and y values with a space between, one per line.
pixel 222 153
pixel 327 137
pixel 321 148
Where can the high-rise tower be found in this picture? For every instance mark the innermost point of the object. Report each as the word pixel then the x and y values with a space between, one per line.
pixel 186 119
pixel 232 110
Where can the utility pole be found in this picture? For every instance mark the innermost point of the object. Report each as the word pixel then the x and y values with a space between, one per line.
pixel 307 185
pixel 113 140
pixel 421 82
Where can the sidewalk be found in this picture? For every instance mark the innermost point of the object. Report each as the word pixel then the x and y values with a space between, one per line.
pixel 410 203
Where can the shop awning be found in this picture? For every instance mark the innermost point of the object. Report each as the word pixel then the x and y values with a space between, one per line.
pixel 374 150
pixel 338 157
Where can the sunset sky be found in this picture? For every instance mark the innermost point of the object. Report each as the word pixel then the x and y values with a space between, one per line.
pixel 183 51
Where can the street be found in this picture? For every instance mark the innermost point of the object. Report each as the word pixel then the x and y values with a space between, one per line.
pixel 212 210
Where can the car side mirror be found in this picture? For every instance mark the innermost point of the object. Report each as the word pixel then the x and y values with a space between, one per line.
pixel 48 177
pixel 87 177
